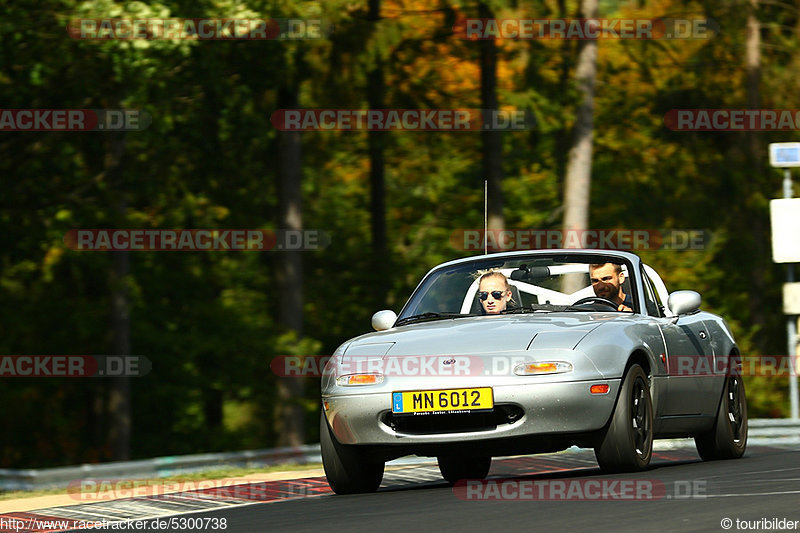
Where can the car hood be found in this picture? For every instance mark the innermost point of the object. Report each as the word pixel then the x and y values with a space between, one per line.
pixel 481 335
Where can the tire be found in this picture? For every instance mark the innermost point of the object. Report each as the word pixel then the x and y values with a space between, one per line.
pixel 454 468
pixel 349 470
pixel 728 438
pixel 627 445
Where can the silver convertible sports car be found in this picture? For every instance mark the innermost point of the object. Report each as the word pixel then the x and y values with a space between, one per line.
pixel 531 352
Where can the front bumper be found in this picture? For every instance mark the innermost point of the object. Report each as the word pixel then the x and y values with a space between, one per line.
pixel 546 409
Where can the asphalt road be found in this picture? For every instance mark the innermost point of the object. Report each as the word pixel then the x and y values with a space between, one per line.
pixel 678 493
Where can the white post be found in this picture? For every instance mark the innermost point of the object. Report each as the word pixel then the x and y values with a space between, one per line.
pixel 791 326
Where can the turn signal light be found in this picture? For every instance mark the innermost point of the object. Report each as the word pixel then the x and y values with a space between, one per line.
pixel 359 379
pixel 599 389
pixel 542 367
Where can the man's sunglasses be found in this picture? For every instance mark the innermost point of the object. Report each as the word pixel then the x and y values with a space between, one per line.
pixel 483 295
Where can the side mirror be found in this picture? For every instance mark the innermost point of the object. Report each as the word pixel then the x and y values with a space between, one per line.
pixel 683 302
pixel 383 319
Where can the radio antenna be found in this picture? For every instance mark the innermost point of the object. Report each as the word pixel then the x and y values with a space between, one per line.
pixel 485 217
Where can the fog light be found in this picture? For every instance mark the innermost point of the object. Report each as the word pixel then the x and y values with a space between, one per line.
pixel 599 389
pixel 359 379
pixel 542 367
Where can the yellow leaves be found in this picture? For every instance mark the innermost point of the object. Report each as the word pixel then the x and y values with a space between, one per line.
pixel 202 208
pixel 219 212
pixel 354 175
pixel 238 415
pixel 452 75
pixel 464 73
pixel 51 259
pixel 52 256
pixel 419 16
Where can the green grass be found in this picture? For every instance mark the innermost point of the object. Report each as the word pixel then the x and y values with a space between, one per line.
pixel 177 478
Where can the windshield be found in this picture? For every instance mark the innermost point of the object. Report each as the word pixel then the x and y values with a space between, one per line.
pixel 534 283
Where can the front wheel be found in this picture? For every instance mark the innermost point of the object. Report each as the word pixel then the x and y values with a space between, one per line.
pixel 349 470
pixel 454 468
pixel 627 445
pixel 728 438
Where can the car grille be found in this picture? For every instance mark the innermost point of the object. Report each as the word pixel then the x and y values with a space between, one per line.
pixel 453 423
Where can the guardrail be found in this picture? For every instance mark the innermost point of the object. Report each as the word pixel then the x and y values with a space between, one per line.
pixel 31 479
pixel 761 431
pixel 773 430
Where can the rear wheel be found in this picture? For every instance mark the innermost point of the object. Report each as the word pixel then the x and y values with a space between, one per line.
pixel 348 468
pixel 454 468
pixel 627 445
pixel 728 438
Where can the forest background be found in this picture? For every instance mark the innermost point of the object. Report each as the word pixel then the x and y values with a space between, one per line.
pixel 390 202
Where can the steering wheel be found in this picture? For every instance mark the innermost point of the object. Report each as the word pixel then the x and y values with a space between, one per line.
pixel 596 299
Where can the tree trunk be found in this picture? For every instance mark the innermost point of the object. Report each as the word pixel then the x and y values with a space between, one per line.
pixel 119 400
pixel 563 140
pixel 492 140
pixel 577 187
pixel 753 60
pixel 756 160
pixel 377 180
pixel 119 394
pixel 753 80
pixel 578 182
pixel 289 272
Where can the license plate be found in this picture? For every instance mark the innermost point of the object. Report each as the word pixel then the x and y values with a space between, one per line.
pixel 442 401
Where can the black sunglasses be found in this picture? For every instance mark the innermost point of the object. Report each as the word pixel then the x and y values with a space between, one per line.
pixel 483 295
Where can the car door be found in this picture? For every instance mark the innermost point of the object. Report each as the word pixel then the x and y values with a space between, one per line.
pixel 689 356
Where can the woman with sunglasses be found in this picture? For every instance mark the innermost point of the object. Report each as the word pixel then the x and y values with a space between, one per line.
pixel 494 292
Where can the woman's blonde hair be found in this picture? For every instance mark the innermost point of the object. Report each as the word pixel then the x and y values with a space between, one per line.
pixel 494 273
pixel 481 275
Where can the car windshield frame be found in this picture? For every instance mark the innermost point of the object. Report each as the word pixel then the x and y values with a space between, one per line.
pixel 506 263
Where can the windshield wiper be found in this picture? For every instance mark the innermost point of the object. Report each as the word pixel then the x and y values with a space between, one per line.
pixel 517 311
pixel 534 308
pixel 429 316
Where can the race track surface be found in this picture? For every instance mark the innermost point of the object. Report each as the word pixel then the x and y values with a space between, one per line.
pixel 553 492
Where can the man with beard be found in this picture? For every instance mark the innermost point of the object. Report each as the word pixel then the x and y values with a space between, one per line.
pixel 607 280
